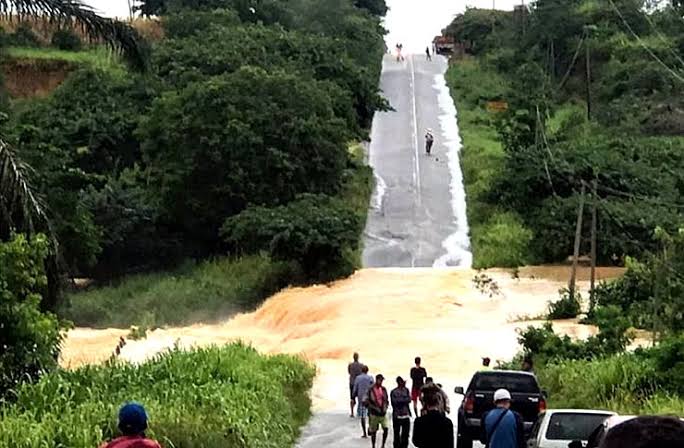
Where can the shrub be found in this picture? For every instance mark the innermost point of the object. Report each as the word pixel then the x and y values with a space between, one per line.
pixel 212 398
pixel 67 40
pixel 29 338
pixel 316 231
pixel 502 242
pixel 24 36
pixel 568 306
pixel 209 291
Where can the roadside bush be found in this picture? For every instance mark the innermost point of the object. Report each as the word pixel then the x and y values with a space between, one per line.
pixel 211 398
pixel 67 40
pixel 317 232
pixel 210 291
pixel 502 241
pixel 568 306
pixel 29 338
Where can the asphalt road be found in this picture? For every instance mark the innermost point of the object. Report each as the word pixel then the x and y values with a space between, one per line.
pixel 414 221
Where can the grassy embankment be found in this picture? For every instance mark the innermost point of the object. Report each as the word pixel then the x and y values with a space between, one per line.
pixel 209 290
pixel 214 397
pixel 498 237
pixel 620 383
pixel 96 57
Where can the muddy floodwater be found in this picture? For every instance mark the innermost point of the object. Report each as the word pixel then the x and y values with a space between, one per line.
pixel 388 315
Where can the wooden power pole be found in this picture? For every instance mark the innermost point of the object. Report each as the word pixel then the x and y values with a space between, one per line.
pixel 593 240
pixel 578 240
pixel 588 64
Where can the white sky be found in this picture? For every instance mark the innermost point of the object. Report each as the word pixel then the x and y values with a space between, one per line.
pixel 415 23
pixel 412 22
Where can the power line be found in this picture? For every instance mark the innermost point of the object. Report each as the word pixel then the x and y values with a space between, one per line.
pixel 663 39
pixel 644 46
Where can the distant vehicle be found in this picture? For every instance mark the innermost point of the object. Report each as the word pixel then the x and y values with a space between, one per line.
pixel 528 400
pixel 599 433
pixel 558 427
pixel 444 45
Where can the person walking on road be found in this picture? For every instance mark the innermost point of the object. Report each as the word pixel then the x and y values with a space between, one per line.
pixel 401 413
pixel 503 428
pixel 354 370
pixel 362 385
pixel 427 53
pixel 434 429
pixel 429 141
pixel 418 375
pixel 378 402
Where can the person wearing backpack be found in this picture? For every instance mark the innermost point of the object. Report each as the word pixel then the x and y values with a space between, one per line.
pixel 503 427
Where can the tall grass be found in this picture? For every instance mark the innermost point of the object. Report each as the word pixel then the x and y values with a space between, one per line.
pixel 97 57
pixel 623 383
pixel 498 237
pixel 356 191
pixel 208 291
pixel 227 397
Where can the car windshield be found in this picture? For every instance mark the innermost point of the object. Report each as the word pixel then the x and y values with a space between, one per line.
pixel 573 426
pixel 514 383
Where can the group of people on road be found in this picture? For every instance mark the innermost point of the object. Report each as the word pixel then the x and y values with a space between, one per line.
pixel 399 48
pixel 372 401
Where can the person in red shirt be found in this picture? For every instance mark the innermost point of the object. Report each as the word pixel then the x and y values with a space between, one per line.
pixel 378 402
pixel 132 424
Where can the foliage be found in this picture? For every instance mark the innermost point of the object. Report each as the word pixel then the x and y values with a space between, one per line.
pixel 30 339
pixel 650 292
pixel 208 291
pixel 212 397
pixel 314 231
pixel 23 36
pixel 67 40
pixel 568 306
pixel 223 134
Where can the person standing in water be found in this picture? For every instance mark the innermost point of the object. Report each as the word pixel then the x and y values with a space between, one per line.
pixel 362 385
pixel 354 370
pixel 401 413
pixel 418 375
pixel 378 402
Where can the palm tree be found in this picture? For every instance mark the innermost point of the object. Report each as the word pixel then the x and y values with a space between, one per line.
pixel 21 208
pixel 117 34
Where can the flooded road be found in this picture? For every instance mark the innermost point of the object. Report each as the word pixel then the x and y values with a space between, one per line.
pixel 388 315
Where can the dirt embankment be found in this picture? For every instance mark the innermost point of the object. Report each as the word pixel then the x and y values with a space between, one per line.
pixel 30 78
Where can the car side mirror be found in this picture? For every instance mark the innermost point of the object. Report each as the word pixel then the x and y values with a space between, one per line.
pixel 575 444
pixel 459 390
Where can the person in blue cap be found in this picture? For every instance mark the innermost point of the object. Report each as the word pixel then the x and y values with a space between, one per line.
pixel 132 424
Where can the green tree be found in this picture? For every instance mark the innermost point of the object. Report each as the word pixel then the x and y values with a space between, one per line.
pixel 30 339
pixel 249 137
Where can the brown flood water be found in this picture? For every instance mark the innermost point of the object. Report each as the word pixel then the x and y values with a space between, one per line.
pixel 388 315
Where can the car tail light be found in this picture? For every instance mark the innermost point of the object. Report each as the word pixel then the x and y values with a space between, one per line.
pixel 469 405
pixel 542 405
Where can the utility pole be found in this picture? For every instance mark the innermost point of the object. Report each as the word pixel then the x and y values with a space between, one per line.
pixel 578 238
pixel 593 241
pixel 588 57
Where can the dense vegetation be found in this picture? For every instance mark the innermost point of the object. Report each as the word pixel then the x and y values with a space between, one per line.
pixel 525 167
pixel 594 93
pixel 211 398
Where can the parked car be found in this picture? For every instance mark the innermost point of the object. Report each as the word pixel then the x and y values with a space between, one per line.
pixel 599 433
pixel 557 428
pixel 527 399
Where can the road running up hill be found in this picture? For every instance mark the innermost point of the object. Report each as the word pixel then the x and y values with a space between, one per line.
pixel 418 216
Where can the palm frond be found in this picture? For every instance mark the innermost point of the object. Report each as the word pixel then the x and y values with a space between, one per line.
pixel 118 35
pixel 20 207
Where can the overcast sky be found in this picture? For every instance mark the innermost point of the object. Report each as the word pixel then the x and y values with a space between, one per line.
pixel 411 22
